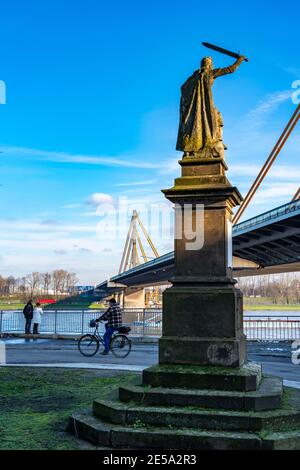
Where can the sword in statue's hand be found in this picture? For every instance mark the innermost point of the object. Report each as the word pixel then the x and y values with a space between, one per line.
pixel 223 51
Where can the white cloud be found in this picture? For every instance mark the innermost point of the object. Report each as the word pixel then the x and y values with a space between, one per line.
pixel 293 71
pixel 282 172
pixel 275 191
pixel 137 190
pixel 71 206
pixel 137 159
pixel 136 183
pixel 270 103
pixel 127 161
pixel 18 226
pixel 96 199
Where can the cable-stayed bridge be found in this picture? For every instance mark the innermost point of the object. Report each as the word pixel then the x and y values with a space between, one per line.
pixel 265 244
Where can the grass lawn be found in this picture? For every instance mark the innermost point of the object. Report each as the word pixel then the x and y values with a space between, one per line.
pixel 275 307
pixel 72 306
pixel 35 404
pixel 12 306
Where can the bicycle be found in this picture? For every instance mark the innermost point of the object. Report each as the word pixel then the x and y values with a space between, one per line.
pixel 120 345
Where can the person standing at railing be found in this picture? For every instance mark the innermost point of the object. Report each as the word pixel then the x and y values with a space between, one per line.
pixel 28 314
pixel 113 315
pixel 37 318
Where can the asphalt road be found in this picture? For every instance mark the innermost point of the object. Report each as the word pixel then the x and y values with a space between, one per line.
pixel 274 357
pixel 45 351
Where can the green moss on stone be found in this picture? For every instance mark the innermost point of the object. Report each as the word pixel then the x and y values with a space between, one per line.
pixel 246 370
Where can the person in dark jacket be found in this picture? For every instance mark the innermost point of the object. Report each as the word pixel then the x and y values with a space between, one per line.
pixel 113 316
pixel 28 314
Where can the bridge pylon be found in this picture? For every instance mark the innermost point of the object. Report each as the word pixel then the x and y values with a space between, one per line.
pixel 133 245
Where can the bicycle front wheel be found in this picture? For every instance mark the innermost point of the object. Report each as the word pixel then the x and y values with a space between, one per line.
pixel 120 346
pixel 88 345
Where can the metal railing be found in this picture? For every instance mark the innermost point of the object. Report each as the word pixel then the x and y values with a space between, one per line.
pixel 143 322
pixel 267 216
pixel 273 327
pixel 146 322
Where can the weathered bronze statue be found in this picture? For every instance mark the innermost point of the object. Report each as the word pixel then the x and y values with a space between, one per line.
pixel 200 127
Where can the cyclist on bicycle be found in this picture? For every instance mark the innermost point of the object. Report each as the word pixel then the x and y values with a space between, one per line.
pixel 113 315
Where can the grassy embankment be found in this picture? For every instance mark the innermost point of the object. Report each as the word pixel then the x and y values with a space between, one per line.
pixel 264 303
pixel 258 303
pixel 35 404
pixel 11 306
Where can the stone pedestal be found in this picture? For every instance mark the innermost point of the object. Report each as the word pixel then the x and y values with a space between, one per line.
pixel 202 395
pixel 202 311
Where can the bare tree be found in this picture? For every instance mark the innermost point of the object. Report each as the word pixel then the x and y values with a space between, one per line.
pixel 33 281
pixel 46 281
pixel 11 284
pixel 59 281
pixel 71 281
pixel 2 284
pixel 278 288
pixel 33 284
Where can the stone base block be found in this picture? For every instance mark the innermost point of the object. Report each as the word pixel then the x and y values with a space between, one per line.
pixel 203 325
pixel 204 311
pixel 243 379
pixel 224 352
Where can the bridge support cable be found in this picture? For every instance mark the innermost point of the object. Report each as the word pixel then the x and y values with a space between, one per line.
pixel 126 251
pixel 130 256
pixel 272 157
pixel 148 238
pixel 297 196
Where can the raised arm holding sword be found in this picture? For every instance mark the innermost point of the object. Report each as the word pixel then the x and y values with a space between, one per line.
pixel 200 126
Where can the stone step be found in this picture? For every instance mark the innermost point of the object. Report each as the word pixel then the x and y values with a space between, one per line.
pixel 86 426
pixel 117 412
pixel 242 379
pixel 267 397
pixel 282 441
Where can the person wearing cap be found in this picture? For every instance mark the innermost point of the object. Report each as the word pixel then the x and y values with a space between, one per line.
pixel 113 316
pixel 28 314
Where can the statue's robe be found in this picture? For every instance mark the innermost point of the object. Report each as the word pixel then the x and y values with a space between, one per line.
pixel 199 127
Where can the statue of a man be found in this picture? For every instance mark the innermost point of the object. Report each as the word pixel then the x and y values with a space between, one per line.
pixel 200 127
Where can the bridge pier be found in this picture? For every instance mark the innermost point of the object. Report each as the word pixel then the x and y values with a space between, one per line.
pixel 134 299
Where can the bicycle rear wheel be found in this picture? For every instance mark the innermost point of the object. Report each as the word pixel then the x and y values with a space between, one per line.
pixel 120 346
pixel 88 345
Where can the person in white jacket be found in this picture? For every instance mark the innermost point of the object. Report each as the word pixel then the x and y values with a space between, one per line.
pixel 37 318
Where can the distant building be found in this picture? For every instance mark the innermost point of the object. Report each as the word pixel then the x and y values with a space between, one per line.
pixel 80 289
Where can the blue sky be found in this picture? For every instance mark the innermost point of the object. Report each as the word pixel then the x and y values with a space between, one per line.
pixel 93 93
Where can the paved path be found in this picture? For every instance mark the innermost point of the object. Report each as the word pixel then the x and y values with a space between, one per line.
pixel 45 351
pixel 82 365
pixel 275 357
